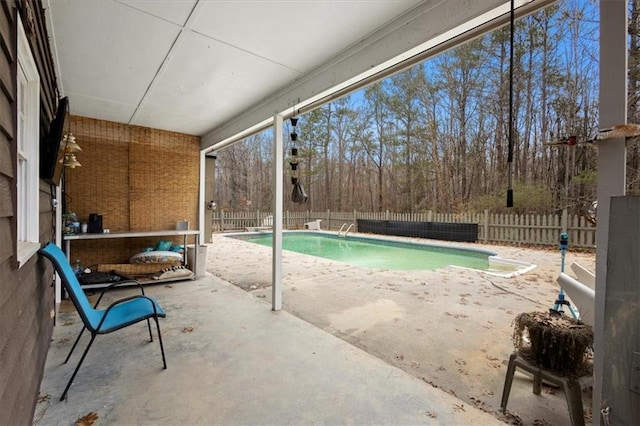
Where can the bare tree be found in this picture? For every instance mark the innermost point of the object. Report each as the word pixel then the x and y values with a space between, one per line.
pixel 434 137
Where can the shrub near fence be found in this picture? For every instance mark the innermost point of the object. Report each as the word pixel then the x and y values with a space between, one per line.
pixel 498 228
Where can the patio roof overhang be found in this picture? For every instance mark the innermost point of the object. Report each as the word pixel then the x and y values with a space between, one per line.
pixel 221 70
pixel 423 32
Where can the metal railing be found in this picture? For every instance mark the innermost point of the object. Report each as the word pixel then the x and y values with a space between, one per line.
pixel 347 231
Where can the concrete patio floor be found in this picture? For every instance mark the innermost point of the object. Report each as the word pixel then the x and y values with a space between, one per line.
pixel 231 360
pixel 451 328
pixel 351 346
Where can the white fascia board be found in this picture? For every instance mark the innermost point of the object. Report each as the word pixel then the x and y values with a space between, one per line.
pixel 430 28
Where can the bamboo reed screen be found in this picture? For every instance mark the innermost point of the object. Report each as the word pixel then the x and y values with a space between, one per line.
pixel 137 178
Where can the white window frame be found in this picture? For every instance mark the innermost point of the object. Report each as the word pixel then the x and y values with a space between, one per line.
pixel 27 152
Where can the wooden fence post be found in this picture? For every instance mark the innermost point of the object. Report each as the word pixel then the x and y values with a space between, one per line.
pixel 486 225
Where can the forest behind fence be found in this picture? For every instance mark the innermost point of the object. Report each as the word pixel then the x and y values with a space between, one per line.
pixel 492 227
pixel 436 136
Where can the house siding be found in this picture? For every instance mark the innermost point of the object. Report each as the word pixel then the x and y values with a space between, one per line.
pixel 26 294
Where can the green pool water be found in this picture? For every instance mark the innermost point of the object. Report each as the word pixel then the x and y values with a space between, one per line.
pixel 376 253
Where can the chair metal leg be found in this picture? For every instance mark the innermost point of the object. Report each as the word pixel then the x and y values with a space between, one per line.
pixel 74 345
pixel 164 361
pixel 64 394
pixel 572 386
pixel 573 394
pixel 508 381
pixel 149 326
pixel 537 384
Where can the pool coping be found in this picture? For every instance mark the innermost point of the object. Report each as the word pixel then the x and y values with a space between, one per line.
pixel 493 257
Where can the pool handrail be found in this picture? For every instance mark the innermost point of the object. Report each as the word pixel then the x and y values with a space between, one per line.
pixel 347 231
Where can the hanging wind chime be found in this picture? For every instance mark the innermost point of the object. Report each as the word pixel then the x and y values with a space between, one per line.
pixel 297 195
pixel 510 154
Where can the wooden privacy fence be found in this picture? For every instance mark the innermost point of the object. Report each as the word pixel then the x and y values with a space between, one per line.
pixel 500 228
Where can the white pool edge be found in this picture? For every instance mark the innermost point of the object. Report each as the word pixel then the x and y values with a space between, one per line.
pixel 494 259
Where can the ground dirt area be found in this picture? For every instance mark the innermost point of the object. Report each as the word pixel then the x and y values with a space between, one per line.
pixel 451 327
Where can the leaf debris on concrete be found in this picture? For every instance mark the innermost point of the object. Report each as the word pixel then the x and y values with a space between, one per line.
pixel 87 420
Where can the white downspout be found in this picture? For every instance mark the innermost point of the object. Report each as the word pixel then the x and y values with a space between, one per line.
pixel 59 243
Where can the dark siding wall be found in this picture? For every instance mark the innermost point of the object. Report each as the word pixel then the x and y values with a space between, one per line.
pixel 26 294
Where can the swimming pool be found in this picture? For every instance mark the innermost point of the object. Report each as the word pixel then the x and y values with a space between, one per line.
pixel 380 253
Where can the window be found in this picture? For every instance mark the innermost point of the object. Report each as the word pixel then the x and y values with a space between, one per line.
pixel 27 137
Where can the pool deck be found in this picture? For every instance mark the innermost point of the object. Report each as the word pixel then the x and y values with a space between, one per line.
pixel 352 346
pixel 451 328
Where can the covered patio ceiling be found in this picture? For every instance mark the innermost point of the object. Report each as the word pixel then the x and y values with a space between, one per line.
pixel 223 69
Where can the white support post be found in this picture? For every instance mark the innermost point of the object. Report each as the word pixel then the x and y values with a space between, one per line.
pixel 278 197
pixel 209 166
pixel 611 164
pixel 202 204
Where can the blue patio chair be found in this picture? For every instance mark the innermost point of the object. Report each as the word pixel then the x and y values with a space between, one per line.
pixel 119 314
